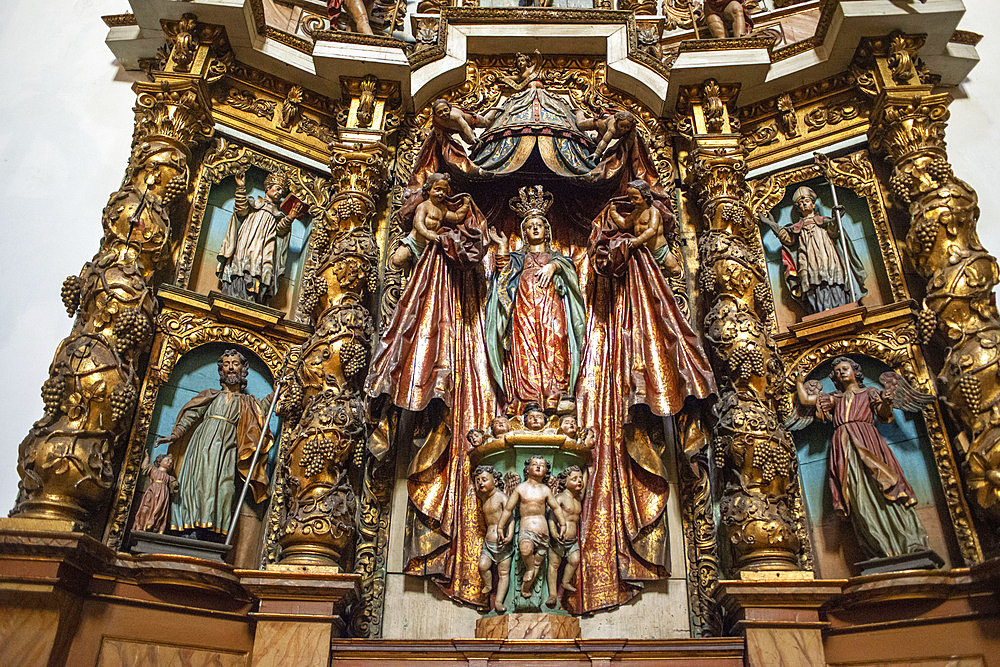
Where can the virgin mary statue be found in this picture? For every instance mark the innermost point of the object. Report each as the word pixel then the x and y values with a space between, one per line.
pixel 535 317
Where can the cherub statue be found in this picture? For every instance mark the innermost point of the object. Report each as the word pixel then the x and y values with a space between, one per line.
pixel 573 481
pixel 496 552
pixel 475 437
pixel 530 498
pixel 500 425
pixel 568 427
pixel 645 223
pixel 528 69
pixel 733 12
pixel 428 218
pixel 534 418
pixel 153 514
pixel 866 481
pixel 609 127
pixel 451 119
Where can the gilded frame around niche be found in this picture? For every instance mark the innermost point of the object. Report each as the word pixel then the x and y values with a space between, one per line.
pixel 227 158
pixel 178 332
pixel 897 347
pixel 853 172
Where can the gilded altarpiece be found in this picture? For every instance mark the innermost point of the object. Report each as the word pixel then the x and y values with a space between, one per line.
pixel 699 491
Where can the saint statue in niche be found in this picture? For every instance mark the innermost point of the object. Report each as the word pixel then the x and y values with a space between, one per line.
pixel 534 314
pixel 816 271
pixel 866 481
pixel 253 253
pixel 153 514
pixel 214 436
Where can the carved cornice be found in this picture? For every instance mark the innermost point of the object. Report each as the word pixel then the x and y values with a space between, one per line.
pixel 119 20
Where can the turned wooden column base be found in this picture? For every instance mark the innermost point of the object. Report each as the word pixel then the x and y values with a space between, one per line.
pixel 778 615
pixel 300 609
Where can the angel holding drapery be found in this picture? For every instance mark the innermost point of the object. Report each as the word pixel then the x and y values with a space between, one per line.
pixel 866 480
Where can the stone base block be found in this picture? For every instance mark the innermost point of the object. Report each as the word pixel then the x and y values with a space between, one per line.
pixel 918 560
pixel 528 626
pixel 159 543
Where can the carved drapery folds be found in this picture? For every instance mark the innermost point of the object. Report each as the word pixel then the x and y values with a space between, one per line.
pixel 65 462
pixel 750 442
pixel 959 308
pixel 323 403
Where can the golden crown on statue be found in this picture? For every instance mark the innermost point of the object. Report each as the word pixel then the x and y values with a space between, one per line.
pixel 276 178
pixel 531 200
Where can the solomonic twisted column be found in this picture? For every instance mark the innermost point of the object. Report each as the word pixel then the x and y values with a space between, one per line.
pixel 959 311
pixel 749 440
pixel 65 462
pixel 324 401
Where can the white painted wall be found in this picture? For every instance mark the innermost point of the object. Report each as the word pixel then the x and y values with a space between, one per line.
pixel 65 119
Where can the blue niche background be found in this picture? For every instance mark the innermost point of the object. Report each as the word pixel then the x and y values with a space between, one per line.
pixel 860 232
pixel 834 543
pixel 195 372
pixel 221 201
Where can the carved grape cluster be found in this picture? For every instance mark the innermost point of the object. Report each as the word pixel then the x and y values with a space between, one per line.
pixel 316 453
pixel 290 403
pixel 122 400
pixel 747 361
pixel 762 299
pixel 177 186
pixel 900 184
pixel 353 358
pixel 733 215
pixel 971 391
pixel 926 324
pixel 70 294
pixel 312 290
pixel 358 457
pixel 939 170
pixel 131 330
pixel 773 460
pixel 925 234
pixel 52 391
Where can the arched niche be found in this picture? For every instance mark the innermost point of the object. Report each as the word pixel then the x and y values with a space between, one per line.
pixel 212 209
pixel 834 546
pixel 865 223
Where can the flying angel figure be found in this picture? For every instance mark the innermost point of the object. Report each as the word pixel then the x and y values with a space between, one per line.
pixel 866 481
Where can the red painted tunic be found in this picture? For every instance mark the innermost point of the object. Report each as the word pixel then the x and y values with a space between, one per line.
pixel 537 368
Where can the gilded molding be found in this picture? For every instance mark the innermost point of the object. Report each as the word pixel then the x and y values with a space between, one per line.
pixel 121 20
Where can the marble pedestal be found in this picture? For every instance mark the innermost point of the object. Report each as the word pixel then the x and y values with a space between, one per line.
pixel 300 609
pixel 528 626
pixel 778 615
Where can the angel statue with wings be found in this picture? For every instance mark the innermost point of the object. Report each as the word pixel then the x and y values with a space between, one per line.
pixel 866 480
